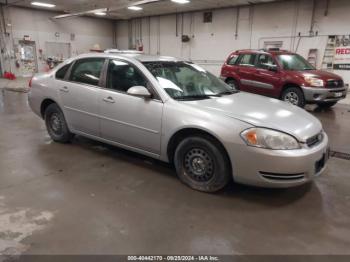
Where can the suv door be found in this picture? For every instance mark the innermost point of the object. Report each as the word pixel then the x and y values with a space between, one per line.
pixel 246 72
pixel 125 119
pixel 79 95
pixel 267 75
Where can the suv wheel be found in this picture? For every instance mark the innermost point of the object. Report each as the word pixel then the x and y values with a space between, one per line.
pixel 56 124
pixel 233 83
pixel 201 164
pixel 326 104
pixel 294 96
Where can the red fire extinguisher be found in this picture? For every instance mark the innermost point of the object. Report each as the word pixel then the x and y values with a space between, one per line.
pixel 140 46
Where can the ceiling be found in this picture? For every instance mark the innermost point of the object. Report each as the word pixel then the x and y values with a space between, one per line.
pixel 117 9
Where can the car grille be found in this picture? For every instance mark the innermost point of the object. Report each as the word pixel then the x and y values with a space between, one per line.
pixel 334 83
pixel 315 140
pixel 282 177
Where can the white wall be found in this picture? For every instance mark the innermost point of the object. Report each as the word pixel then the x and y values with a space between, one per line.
pixel 38 25
pixel 211 43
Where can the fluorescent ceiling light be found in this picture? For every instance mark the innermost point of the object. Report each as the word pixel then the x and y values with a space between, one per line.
pixel 181 1
pixel 43 4
pixel 100 13
pixel 135 8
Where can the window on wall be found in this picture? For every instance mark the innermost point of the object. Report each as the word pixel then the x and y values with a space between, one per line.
pixel 87 71
pixel 121 76
pixel 61 73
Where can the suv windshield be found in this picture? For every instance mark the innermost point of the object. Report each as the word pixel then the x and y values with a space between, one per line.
pixel 187 81
pixel 294 62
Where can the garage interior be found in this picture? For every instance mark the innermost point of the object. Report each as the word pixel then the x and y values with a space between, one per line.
pixel 95 199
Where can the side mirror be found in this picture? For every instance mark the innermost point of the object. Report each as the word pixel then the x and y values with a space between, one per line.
pixel 139 91
pixel 272 68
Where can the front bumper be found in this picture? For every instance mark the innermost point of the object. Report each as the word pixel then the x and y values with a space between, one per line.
pixel 313 94
pixel 278 168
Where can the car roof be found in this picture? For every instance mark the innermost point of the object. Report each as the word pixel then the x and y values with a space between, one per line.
pixel 130 56
pixel 262 51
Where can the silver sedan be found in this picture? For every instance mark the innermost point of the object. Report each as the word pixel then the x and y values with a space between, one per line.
pixel 178 112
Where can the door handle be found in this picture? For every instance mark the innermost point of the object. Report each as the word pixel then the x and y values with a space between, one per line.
pixel 109 100
pixel 64 89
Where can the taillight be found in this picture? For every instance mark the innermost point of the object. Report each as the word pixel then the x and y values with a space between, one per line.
pixel 30 82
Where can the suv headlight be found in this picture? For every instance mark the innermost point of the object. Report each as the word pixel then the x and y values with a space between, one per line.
pixel 313 81
pixel 270 139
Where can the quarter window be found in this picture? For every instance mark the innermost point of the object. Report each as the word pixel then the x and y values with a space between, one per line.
pixel 232 60
pixel 61 73
pixel 247 60
pixel 87 71
pixel 121 76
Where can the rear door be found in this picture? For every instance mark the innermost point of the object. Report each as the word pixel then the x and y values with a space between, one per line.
pixel 79 95
pixel 246 71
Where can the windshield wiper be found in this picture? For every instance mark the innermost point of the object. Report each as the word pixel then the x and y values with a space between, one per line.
pixel 194 97
pixel 228 92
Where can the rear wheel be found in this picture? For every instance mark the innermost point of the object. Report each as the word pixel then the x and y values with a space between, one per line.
pixel 56 124
pixel 202 164
pixel 233 83
pixel 294 96
pixel 326 104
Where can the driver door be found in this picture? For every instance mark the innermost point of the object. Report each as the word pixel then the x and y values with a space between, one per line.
pixel 125 119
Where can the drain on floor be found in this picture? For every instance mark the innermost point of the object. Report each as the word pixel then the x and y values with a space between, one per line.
pixel 340 155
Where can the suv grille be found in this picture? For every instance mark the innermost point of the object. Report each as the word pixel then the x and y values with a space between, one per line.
pixel 315 140
pixel 334 83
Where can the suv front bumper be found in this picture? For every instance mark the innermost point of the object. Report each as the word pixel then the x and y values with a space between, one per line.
pixel 313 94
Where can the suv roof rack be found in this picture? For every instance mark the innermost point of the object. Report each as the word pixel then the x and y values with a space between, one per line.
pixel 117 51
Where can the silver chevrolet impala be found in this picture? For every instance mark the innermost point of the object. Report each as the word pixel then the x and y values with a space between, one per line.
pixel 178 112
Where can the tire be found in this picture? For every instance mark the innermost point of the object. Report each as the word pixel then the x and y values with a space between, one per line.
pixel 202 164
pixel 233 83
pixel 326 104
pixel 56 124
pixel 294 96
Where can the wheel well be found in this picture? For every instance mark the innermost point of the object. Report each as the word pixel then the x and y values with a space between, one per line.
pixel 289 85
pixel 44 105
pixel 184 133
pixel 230 78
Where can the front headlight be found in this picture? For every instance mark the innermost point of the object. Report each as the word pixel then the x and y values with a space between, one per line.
pixel 312 81
pixel 270 139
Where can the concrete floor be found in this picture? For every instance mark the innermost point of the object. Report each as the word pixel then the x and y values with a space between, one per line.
pixel 90 198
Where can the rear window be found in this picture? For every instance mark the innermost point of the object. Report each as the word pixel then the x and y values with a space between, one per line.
pixel 87 71
pixel 232 60
pixel 61 73
pixel 247 60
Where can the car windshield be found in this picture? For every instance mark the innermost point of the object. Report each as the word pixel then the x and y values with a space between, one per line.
pixel 294 62
pixel 187 81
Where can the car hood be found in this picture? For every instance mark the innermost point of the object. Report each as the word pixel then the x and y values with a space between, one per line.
pixel 263 112
pixel 324 75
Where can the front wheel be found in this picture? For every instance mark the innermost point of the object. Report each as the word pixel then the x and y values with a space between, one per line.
pixel 326 104
pixel 294 96
pixel 56 124
pixel 202 164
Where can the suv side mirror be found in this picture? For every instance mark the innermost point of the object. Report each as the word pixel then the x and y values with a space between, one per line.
pixel 139 91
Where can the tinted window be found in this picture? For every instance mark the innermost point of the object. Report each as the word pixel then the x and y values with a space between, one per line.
pixel 87 71
pixel 61 73
pixel 232 60
pixel 265 61
pixel 247 60
pixel 121 76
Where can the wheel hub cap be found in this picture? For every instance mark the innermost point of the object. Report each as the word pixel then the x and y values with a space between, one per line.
pixel 292 98
pixel 55 123
pixel 199 165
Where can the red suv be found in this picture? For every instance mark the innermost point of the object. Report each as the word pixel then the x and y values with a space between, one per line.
pixel 283 75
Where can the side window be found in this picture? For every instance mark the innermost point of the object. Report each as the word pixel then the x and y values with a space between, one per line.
pixel 247 60
pixel 232 60
pixel 121 76
pixel 61 73
pixel 265 61
pixel 87 71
